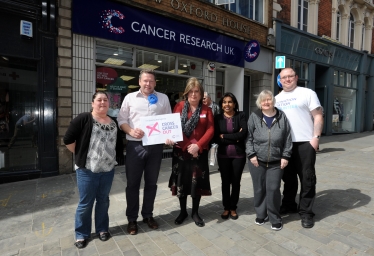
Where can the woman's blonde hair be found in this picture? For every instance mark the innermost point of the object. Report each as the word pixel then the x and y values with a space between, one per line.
pixel 191 83
pixel 262 96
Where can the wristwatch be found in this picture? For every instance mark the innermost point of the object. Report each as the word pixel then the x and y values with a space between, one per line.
pixel 317 136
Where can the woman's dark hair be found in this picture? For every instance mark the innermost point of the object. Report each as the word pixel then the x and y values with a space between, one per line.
pixel 98 92
pixel 232 96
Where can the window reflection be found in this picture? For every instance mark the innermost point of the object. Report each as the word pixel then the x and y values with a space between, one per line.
pixel 344 110
pixel 18 115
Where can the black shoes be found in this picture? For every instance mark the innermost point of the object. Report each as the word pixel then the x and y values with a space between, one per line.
pixel 234 215
pixel 132 228
pixel 260 221
pixel 80 244
pixel 285 210
pixel 151 222
pixel 198 221
pixel 225 215
pixel 307 221
pixel 182 216
pixel 277 226
pixel 104 236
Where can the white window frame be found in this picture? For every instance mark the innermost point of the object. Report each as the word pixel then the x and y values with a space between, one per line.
pixel 351 31
pixel 338 25
pixel 237 10
pixel 312 12
pixel 300 17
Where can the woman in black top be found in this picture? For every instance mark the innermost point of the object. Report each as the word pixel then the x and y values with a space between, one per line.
pixel 95 140
pixel 230 132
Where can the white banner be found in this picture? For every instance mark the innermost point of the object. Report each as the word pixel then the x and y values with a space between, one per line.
pixel 157 129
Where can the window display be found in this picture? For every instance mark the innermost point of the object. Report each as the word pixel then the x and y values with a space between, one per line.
pixel 344 108
pixel 18 115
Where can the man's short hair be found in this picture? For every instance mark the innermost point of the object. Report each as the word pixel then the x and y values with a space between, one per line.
pixel 147 71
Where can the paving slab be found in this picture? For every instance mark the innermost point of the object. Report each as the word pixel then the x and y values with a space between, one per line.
pixel 37 216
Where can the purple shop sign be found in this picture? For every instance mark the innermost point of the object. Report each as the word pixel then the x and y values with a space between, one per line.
pixel 114 21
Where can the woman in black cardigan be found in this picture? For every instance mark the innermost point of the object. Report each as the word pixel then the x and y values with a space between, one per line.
pixel 95 140
pixel 230 132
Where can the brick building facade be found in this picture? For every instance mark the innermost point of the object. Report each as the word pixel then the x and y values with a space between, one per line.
pixel 330 45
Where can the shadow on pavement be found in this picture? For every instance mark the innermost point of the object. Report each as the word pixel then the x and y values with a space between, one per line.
pixel 332 202
pixel 328 150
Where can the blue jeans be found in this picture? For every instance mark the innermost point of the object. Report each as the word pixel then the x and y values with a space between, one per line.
pixel 92 186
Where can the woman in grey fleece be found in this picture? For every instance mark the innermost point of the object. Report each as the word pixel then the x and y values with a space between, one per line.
pixel 268 148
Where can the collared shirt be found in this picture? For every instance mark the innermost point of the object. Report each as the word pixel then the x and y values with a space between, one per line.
pixel 136 105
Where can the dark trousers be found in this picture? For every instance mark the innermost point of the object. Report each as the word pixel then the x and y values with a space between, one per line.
pixel 302 163
pixel 141 159
pixel 266 190
pixel 231 170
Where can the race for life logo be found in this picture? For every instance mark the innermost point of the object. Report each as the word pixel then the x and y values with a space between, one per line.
pixel 106 20
pixel 252 51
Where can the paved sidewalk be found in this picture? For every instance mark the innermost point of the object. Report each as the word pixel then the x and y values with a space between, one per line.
pixel 37 216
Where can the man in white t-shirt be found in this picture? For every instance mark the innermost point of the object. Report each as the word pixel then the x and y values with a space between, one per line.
pixel 304 112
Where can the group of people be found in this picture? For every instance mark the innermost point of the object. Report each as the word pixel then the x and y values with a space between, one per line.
pixel 278 144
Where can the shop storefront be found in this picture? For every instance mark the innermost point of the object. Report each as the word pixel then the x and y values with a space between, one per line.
pixel 27 91
pixel 113 40
pixel 127 39
pixel 337 73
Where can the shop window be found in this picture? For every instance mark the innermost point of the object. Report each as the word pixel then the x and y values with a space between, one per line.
pixel 19 116
pixel 344 110
pixel 354 81
pixel 155 61
pixel 118 80
pixel 336 76
pixel 114 55
pixel 297 68
pixel 302 19
pixel 348 80
pixel 220 81
pixel 288 63
pixel 220 77
pixel 305 70
pixel 252 9
pixel 192 67
pixel 341 78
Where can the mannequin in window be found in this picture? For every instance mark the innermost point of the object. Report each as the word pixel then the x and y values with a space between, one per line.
pixel 337 109
pixel 341 115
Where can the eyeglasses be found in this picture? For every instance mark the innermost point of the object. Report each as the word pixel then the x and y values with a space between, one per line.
pixel 287 77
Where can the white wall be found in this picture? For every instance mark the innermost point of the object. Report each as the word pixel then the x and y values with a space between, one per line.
pixel 234 81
